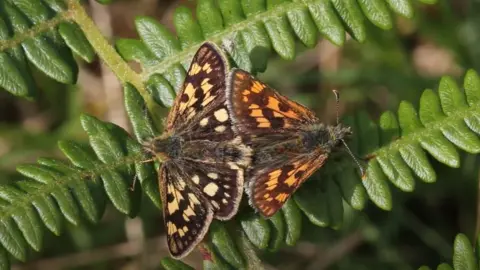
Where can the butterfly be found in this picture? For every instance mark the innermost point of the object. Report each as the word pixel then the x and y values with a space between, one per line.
pixel 202 160
pixel 290 142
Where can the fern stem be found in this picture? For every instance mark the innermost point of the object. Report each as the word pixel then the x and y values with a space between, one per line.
pixel 415 136
pixel 64 181
pixel 34 31
pixel 103 48
pixel 109 55
pixel 227 34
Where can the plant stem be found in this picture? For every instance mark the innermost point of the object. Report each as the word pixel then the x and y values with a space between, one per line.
pixel 103 48
pixel 109 55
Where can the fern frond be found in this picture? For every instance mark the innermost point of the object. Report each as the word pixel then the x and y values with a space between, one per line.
pixel 398 145
pixel 464 256
pixel 38 33
pixel 446 121
pixel 56 190
pixel 249 31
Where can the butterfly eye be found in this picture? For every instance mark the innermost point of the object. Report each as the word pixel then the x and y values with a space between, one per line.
pixel 348 131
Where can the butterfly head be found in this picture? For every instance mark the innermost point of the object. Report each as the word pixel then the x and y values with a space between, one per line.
pixel 338 134
pixel 329 138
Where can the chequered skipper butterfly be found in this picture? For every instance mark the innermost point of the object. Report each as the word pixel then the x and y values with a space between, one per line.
pixel 290 142
pixel 202 171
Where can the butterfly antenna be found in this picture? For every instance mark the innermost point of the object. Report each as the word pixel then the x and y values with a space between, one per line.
pixel 337 104
pixel 337 107
pixel 362 170
pixel 132 187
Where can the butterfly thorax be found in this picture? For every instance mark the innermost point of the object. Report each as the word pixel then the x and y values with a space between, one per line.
pixel 174 147
pixel 165 147
pixel 328 138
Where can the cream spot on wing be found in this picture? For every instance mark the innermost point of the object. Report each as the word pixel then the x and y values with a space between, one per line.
pixel 207 100
pixel 189 92
pixel 191 112
pixel 194 69
pixel 178 196
pixel 224 201
pixel 226 195
pixel 193 199
pixel 233 166
pixel 172 207
pixel 207 68
pixel 210 189
pixel 213 175
pixel 215 204
pixel 205 85
pixel 189 212
pixel 221 115
pixel 171 228
pixel 196 179
pixel 226 186
pixel 204 122
pixel 181 232
pixel 220 128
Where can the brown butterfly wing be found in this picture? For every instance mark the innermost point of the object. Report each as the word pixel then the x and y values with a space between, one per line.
pixel 202 97
pixel 273 125
pixel 270 187
pixel 256 108
pixel 187 213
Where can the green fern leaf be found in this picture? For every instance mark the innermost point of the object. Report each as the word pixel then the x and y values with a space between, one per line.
pixel 61 193
pixel 27 220
pixel 44 55
pixel 277 237
pixel 445 122
pixel 222 241
pixel 463 255
pixel 45 206
pixel 256 229
pixel 37 40
pixel 248 31
pixel 56 188
pixel 12 239
pixel 171 264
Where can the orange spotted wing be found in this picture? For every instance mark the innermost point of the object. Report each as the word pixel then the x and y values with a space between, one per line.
pixel 277 128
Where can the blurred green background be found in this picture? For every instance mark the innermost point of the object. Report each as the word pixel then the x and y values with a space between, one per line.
pixel 390 66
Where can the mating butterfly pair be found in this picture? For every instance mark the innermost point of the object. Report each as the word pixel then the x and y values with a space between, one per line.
pixel 226 128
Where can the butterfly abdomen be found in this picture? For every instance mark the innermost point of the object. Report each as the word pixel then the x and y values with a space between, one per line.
pixel 234 151
pixel 269 149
